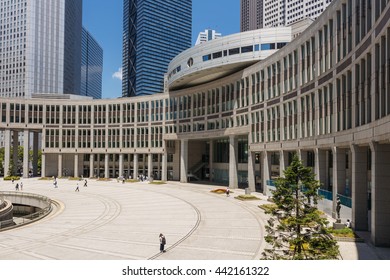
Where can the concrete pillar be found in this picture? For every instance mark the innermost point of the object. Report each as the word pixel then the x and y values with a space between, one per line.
pixel 339 173
pixel 43 165
pixel 183 160
pixel 91 169
pixel 7 150
pixel 135 168
pixel 320 166
pixel 251 171
pixel 121 173
pixel 35 153
pixel 164 171
pixel 265 170
pixel 26 150
pixel 15 145
pixel 211 160
pixel 359 187
pixel 283 162
pixel 380 172
pixel 303 156
pixel 150 165
pixel 59 173
pixel 233 162
pixel 76 165
pixel 106 166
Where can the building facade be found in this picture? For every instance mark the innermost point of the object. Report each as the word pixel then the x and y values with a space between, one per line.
pixel 206 36
pixel 251 15
pixel 324 96
pixel 154 32
pixel 40 47
pixel 281 13
pixel 91 66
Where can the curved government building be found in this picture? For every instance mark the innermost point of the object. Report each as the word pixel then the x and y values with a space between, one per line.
pixel 325 95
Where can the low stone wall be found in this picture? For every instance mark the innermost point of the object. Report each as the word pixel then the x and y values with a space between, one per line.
pixel 34 206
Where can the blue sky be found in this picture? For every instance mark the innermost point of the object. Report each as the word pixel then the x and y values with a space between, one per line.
pixel 103 19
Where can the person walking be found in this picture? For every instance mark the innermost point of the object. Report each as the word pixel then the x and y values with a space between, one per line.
pixel 85 183
pixel 227 192
pixel 77 188
pixel 162 242
pixel 55 183
pixel 21 186
pixel 16 187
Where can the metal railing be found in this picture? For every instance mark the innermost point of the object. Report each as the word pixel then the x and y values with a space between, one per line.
pixel 18 221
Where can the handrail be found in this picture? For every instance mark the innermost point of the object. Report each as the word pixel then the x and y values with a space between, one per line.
pixel 18 221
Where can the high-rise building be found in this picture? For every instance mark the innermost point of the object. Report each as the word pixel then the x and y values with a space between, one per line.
pixel 251 15
pixel 154 32
pixel 207 35
pixel 40 47
pixel 91 66
pixel 280 13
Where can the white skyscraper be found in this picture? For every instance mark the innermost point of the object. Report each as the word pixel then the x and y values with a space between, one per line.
pixel 40 47
pixel 207 35
pixel 282 13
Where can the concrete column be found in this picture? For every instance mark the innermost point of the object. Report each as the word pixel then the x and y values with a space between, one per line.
pixel 251 171
pixel 283 162
pixel 76 165
pixel 265 170
pixel 15 145
pixel 211 161
pixel 26 150
pixel 121 173
pixel 35 153
pixel 359 188
pixel 183 160
pixel 233 162
pixel 303 156
pixel 150 165
pixel 59 165
pixel 164 170
pixel 91 169
pixel 135 167
pixel 43 165
pixel 106 166
pixel 339 174
pixel 380 222
pixel 320 166
pixel 7 150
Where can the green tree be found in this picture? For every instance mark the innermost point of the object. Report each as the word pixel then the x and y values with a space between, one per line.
pixel 296 230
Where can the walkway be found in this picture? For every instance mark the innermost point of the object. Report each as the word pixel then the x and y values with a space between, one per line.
pixel 111 220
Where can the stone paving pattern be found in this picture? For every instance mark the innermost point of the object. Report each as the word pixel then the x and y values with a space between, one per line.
pixel 114 221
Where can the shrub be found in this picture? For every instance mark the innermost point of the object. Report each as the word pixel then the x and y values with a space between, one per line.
pixel 268 207
pixel 131 181
pixel 344 232
pixel 74 178
pixel 46 178
pixel 10 178
pixel 104 179
pixel 157 183
pixel 247 197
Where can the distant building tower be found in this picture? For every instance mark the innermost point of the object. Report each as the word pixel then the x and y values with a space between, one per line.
pixel 251 15
pixel 207 35
pixel 282 13
pixel 91 66
pixel 154 32
pixel 40 48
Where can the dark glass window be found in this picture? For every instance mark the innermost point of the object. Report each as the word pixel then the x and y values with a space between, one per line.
pixel 247 49
pixel 207 57
pixel 234 51
pixel 217 54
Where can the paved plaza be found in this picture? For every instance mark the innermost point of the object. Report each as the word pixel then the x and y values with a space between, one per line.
pixel 111 220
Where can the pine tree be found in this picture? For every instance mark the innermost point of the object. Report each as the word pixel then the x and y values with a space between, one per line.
pixel 296 230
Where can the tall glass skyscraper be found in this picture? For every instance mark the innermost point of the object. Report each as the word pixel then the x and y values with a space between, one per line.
pixel 91 66
pixel 40 47
pixel 154 32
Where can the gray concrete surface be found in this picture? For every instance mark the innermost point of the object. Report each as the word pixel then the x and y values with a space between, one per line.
pixel 111 220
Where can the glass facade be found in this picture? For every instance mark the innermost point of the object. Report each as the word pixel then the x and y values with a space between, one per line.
pixel 40 47
pixel 154 32
pixel 91 66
